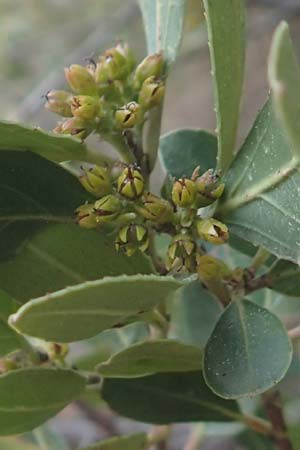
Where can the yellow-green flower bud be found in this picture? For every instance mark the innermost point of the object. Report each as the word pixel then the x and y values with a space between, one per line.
pixel 213 273
pixel 151 66
pixel 152 93
pixel 58 102
pixel 128 116
pixel 213 231
pixel 96 181
pixel 209 188
pixel 85 216
pixel 80 80
pixel 118 62
pixel 132 238
pixel 181 253
pixel 75 127
pixel 131 183
pixel 107 209
pixel 155 209
pixel 184 192
pixel 85 107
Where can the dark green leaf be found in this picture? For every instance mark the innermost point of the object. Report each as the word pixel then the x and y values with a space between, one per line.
pixel 83 310
pixel 181 151
pixel 29 397
pixel 262 190
pixel 194 313
pixel 226 33
pixel 163 22
pixel 131 442
pixel 64 255
pixel 143 358
pixel 285 278
pixel 238 361
pixel 50 146
pixel 167 398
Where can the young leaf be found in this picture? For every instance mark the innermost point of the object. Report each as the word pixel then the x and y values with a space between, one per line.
pixel 64 255
pixel 29 397
pixel 136 441
pixel 262 190
pixel 167 398
pixel 284 76
pixel 50 146
pixel 226 33
pixel 86 309
pixel 194 313
pixel 285 278
pixel 163 22
pixel 143 358
pixel 238 361
pixel 181 151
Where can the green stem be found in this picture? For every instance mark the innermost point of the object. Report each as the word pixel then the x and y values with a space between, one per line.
pixel 152 134
pixel 118 141
pixel 261 256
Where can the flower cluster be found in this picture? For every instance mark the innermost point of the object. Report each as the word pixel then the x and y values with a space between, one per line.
pixel 136 214
pixel 109 95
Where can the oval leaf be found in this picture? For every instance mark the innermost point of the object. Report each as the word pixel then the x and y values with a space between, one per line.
pixel 136 441
pixel 238 361
pixel 86 309
pixel 29 397
pixel 285 278
pixel 181 151
pixel 64 255
pixel 143 358
pixel 167 398
pixel 226 33
pixel 48 145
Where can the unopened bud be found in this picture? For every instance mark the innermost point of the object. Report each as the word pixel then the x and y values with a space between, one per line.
pixel 181 253
pixel 58 102
pixel 155 209
pixel 75 127
pixel 151 66
pixel 132 238
pixel 128 116
pixel 85 107
pixel 213 273
pixel 107 209
pixel 151 93
pixel 131 183
pixel 184 192
pixel 209 188
pixel 96 181
pixel 213 231
pixel 80 80
pixel 85 216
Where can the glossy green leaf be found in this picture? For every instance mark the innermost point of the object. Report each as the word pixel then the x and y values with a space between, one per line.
pixel 181 151
pixel 136 441
pixel 29 397
pixel 86 309
pixel 284 76
pixel 48 145
pixel 167 398
pixel 194 313
pixel 262 190
pixel 9 339
pixel 238 361
pixel 285 278
pixel 163 22
pixel 144 358
pixel 64 255
pixel 226 33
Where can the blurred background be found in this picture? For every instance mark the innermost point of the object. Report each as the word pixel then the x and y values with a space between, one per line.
pixel 38 38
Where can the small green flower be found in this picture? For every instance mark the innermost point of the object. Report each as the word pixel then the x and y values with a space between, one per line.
pixel 131 183
pixel 107 209
pixel 75 127
pixel 181 253
pixel 209 188
pixel 80 80
pixel 97 181
pixel 152 93
pixel 184 192
pixel 155 209
pixel 213 231
pixel 151 66
pixel 132 238
pixel 85 216
pixel 85 107
pixel 128 115
pixel 58 102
